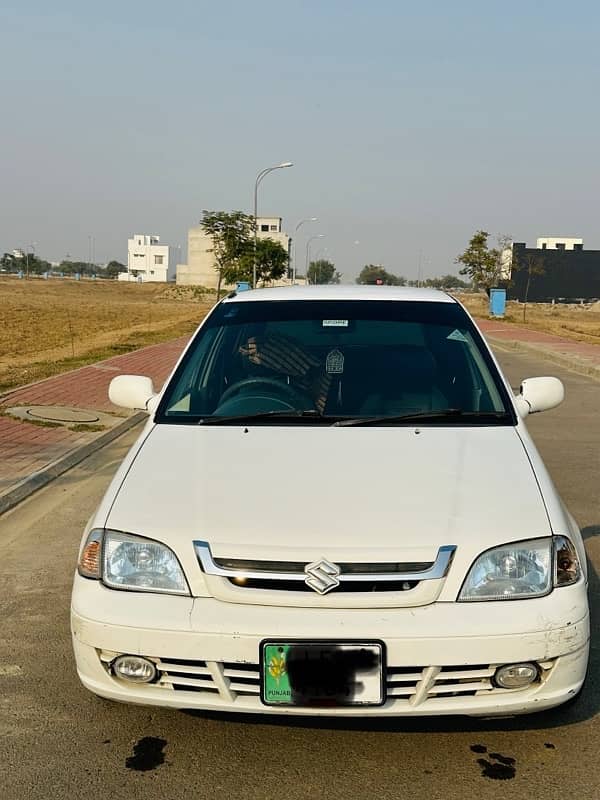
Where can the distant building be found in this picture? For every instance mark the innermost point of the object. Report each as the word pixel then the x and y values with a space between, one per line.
pixel 148 260
pixel 201 270
pixel 559 243
pixel 557 269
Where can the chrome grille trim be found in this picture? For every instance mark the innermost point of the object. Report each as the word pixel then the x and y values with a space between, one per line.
pixel 438 569
pixel 288 567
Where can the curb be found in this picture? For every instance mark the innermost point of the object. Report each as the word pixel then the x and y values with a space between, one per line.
pixel 570 362
pixel 44 476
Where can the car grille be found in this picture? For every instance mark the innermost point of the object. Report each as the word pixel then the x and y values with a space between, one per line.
pixel 415 685
pixel 348 586
pixel 209 676
pixel 323 576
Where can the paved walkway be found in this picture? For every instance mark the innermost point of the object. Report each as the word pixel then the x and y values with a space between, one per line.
pixel 579 356
pixel 31 455
pixel 26 449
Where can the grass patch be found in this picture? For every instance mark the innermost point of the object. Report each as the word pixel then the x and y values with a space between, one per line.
pixel 20 375
pixel 82 427
pixel 52 326
pixel 580 323
pixel 40 423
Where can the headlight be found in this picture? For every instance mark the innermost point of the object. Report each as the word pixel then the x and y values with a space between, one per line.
pixel 521 570
pixel 131 562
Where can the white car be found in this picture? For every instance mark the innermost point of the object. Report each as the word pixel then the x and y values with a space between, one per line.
pixel 334 508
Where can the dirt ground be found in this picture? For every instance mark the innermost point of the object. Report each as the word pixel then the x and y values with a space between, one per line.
pixel 580 322
pixel 49 326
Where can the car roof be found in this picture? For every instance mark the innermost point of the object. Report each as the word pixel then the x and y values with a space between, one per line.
pixel 341 292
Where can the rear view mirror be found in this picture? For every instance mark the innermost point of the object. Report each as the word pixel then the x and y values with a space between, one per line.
pixel 539 394
pixel 131 391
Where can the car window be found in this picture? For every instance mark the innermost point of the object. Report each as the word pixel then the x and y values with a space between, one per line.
pixel 335 359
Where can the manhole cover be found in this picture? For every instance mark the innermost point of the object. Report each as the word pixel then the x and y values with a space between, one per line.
pixel 59 414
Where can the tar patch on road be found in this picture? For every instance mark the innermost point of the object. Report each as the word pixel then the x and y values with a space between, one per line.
pixel 479 748
pixel 496 767
pixel 147 754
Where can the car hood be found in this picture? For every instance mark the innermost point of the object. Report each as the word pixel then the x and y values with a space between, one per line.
pixel 303 492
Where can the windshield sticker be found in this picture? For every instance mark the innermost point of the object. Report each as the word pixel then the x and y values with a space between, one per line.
pixel 457 336
pixel 334 365
pixel 335 323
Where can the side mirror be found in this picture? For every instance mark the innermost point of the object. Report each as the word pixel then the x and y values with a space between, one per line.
pixel 132 391
pixel 539 394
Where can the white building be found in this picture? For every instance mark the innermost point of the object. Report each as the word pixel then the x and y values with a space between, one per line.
pixel 270 228
pixel 148 260
pixel 200 269
pixel 559 243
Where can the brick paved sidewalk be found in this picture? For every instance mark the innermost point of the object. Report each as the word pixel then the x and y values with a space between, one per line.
pixel 26 450
pixel 580 356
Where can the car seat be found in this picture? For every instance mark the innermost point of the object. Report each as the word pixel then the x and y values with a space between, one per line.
pixel 401 381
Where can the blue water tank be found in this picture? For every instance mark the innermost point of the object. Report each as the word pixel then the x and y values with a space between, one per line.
pixel 497 302
pixel 242 286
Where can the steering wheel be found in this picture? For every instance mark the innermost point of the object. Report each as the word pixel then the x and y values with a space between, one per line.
pixel 293 395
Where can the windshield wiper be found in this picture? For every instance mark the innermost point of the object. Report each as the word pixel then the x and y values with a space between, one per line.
pixel 261 415
pixel 427 416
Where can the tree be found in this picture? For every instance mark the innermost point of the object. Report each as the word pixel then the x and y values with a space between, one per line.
pixel 231 233
pixel 113 268
pixel 322 271
pixel 533 264
pixel 444 282
pixel 11 263
pixel 482 264
pixel 74 267
pixel 271 263
pixel 374 274
pixel 27 262
pixel 453 282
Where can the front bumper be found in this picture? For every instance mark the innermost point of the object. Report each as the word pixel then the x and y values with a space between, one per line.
pixel 440 658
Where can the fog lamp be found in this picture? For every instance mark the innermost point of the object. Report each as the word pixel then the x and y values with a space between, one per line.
pixel 134 668
pixel 516 676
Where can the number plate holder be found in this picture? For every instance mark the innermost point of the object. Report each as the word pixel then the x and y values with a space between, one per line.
pixel 322 674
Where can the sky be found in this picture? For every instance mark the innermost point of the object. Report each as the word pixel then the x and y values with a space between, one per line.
pixel 410 125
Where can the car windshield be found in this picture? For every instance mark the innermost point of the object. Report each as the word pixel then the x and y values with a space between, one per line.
pixel 323 360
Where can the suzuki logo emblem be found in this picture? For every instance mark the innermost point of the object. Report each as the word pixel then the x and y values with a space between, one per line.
pixel 322 576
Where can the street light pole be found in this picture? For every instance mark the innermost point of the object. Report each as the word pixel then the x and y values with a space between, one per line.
pixel 259 178
pixel 302 221
pixel 312 238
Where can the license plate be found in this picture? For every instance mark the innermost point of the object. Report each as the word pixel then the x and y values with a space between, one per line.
pixel 322 674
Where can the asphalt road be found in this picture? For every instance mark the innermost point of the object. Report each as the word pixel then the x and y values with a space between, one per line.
pixel 59 741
